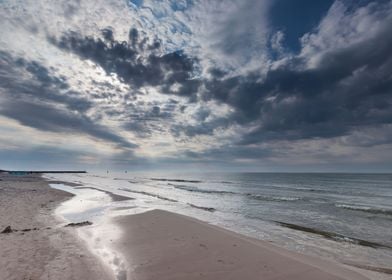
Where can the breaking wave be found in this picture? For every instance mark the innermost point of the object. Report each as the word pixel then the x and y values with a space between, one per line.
pixel 334 236
pixel 175 180
pixel 209 209
pixel 366 209
pixel 273 198
pixel 150 194
pixel 198 190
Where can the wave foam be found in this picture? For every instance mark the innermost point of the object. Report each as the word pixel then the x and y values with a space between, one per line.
pixel 175 180
pixel 150 194
pixel 366 209
pixel 334 236
pixel 209 209
pixel 273 198
pixel 198 190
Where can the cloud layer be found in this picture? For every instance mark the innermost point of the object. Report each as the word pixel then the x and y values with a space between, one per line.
pixel 190 82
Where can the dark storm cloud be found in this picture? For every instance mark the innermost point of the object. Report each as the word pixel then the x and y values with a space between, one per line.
pixel 36 98
pixel 29 80
pixel 48 118
pixel 45 157
pixel 203 127
pixel 135 62
pixel 107 34
pixel 350 88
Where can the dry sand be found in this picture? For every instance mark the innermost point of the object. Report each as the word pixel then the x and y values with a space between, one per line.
pixel 45 250
pixel 156 245
pixel 163 245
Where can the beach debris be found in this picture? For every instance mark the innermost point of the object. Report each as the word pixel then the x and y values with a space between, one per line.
pixel 81 224
pixel 28 229
pixel 8 229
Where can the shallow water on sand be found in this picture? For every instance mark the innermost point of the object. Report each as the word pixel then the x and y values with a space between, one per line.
pixel 346 217
pixel 94 206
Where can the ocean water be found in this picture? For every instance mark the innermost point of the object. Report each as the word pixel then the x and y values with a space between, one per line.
pixel 344 217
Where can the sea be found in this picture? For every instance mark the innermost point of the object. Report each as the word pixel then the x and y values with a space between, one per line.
pixel 343 217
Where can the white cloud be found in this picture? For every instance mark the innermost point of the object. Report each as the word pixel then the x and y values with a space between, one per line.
pixel 229 34
pixel 342 27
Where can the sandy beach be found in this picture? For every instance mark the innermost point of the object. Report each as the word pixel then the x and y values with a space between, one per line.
pixel 164 245
pixel 39 247
pixel 195 140
pixel 155 244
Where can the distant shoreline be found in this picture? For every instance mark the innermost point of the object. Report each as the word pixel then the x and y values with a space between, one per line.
pixel 26 172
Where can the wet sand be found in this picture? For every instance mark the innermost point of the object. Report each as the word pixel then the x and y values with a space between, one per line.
pixel 39 247
pixel 163 245
pixel 153 245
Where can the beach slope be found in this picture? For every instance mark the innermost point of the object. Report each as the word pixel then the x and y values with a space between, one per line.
pixel 164 245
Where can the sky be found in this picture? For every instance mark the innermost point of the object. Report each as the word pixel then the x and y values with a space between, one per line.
pixel 196 85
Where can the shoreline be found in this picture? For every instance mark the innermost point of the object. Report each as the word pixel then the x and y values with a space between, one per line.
pixel 87 211
pixel 157 245
pixel 111 213
pixel 166 245
pixel 38 246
